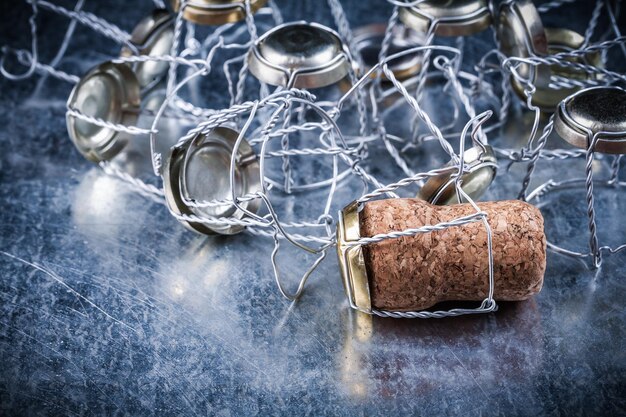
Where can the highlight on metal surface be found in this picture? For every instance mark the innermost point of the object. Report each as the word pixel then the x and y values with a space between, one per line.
pixel 447 18
pixel 596 114
pixel 300 55
pixel 215 12
pixel 547 97
pixel 153 36
pixel 108 95
pixel 351 261
pixel 369 40
pixel 481 171
pixel 521 33
pixel 197 181
pixel 358 144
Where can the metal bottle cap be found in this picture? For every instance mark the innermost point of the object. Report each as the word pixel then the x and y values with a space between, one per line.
pixel 216 12
pixel 351 261
pixel 200 171
pixel 599 110
pixel 559 40
pixel 368 39
pixel 109 92
pixel 451 17
pixel 153 36
pixel 299 54
pixel 482 166
pixel 521 34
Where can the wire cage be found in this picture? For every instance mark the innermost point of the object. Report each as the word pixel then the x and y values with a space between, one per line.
pixel 300 97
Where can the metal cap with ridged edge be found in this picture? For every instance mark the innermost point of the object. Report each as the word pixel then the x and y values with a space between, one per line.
pixel 368 40
pixel 451 17
pixel 482 166
pixel 110 92
pixel 216 12
pixel 301 55
pixel 351 261
pixel 199 171
pixel 153 36
pixel 521 34
pixel 560 40
pixel 595 110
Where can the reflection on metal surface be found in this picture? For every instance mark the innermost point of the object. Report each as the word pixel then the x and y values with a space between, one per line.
pixel 301 55
pixel 351 261
pixel 481 171
pixel 197 173
pixel 153 36
pixel 352 357
pixel 559 40
pixel 134 159
pixel 369 39
pixel 99 204
pixel 594 111
pixel 521 34
pixel 196 275
pixel 386 358
pixel 108 92
pixel 216 12
pixel 126 314
pixel 449 18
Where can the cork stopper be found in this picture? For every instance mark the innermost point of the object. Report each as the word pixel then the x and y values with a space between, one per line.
pixel 417 272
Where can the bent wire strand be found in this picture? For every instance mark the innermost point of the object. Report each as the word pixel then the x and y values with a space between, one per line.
pixel 272 118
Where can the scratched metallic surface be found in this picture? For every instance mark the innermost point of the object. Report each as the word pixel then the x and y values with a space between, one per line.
pixel 108 306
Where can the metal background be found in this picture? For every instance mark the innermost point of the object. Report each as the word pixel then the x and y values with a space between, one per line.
pixel 108 306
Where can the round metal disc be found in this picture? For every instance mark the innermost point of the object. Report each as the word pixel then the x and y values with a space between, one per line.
pixel 200 171
pixel 216 12
pixel 300 54
pixel 596 109
pixel 476 180
pixel 153 36
pixel 521 34
pixel 559 40
pixel 368 39
pixel 109 92
pixel 452 17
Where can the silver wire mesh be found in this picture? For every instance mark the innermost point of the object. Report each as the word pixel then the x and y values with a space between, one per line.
pixel 344 130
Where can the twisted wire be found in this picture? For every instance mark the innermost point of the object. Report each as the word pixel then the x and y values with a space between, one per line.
pixel 593 22
pixel 131 130
pixel 461 221
pixel 25 58
pixel 345 157
pixel 591 212
pixel 94 22
pixel 243 72
pixel 534 156
pixel 343 27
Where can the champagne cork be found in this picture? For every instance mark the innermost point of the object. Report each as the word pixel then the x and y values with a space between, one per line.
pixel 416 272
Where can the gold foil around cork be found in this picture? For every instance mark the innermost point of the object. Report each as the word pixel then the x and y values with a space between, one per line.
pixel 351 260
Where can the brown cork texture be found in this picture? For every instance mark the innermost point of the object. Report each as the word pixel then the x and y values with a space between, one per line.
pixel 417 272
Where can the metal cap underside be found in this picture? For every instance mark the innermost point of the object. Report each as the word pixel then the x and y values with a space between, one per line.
pixel 299 54
pixel 451 17
pixel 153 36
pixel 216 12
pixel 368 39
pixel 351 261
pixel 559 40
pixel 476 180
pixel 596 110
pixel 110 92
pixel 199 171
pixel 521 34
